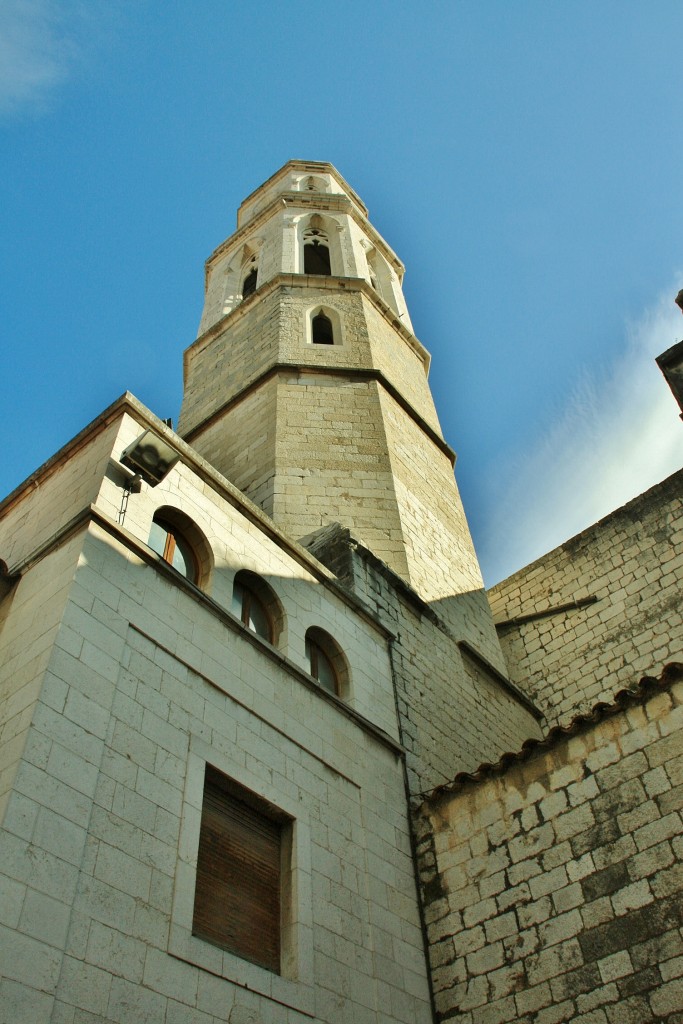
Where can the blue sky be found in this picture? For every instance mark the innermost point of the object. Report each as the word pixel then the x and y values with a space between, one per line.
pixel 524 159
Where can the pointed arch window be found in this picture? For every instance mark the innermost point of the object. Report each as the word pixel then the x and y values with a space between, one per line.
pixel 322 332
pixel 373 271
pixel 249 283
pixel 317 256
pixel 323 326
pixel 317 248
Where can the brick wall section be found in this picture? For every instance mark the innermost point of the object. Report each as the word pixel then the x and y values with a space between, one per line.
pixel 632 562
pixel 552 888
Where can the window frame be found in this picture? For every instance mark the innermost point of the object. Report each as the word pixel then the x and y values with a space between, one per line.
pixel 249 597
pixel 294 985
pixel 254 588
pixel 315 248
pixel 319 663
pixel 318 641
pixel 176 539
pixel 241 836
pixel 321 315
pixel 173 520
pixel 337 326
pixel 327 231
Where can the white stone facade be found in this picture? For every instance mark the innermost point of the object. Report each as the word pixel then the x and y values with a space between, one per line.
pixel 144 680
pixel 311 472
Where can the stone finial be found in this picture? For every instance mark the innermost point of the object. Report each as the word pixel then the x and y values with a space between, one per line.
pixel 679 300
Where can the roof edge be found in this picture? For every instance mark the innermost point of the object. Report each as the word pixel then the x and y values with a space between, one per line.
pixel 646 688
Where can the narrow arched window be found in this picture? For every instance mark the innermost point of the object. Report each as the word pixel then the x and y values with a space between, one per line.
pixel 168 541
pixel 321 330
pixel 249 283
pixel 256 605
pixel 326 663
pixel 317 258
pixel 251 611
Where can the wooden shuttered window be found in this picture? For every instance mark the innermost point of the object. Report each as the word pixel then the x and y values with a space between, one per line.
pixel 237 894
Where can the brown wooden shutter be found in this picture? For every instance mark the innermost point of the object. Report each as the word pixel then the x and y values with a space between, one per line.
pixel 237 895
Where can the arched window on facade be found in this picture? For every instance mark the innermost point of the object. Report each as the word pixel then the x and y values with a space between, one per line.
pixel 169 541
pixel 249 283
pixel 326 663
pixel 321 329
pixel 372 270
pixel 316 249
pixel 254 603
pixel 178 540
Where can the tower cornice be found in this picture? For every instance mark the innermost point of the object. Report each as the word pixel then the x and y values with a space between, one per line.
pixel 312 167
pixel 317 201
pixel 338 284
pixel 360 374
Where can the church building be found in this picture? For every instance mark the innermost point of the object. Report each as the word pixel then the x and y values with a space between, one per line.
pixel 269 752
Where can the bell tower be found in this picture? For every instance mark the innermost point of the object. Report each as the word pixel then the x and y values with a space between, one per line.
pixel 307 388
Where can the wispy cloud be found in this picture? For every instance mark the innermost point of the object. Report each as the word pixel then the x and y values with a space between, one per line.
pixel 618 436
pixel 38 50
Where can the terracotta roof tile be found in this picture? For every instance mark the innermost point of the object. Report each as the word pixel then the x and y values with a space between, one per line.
pixel 646 688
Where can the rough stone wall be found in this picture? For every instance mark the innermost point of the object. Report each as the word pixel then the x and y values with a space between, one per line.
pixel 553 887
pixel 313 448
pixel 270 327
pixel 632 562
pixel 402 365
pixel 333 463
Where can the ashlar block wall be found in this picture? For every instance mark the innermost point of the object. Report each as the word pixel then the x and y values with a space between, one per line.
pixel 146 679
pixel 553 884
pixel 629 566
pixel 449 721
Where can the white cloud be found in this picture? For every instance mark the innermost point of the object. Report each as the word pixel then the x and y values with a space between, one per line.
pixel 37 52
pixel 618 436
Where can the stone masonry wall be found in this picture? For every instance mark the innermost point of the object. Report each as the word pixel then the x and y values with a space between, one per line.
pixel 449 722
pixel 441 557
pixel 553 885
pixel 333 463
pixel 244 444
pixel 632 563
pixel 145 683
pixel 29 618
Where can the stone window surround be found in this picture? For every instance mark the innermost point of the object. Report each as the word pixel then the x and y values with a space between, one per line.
pixel 338 334
pixel 254 587
pixel 294 986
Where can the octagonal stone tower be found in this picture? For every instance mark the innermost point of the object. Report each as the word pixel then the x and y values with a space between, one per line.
pixel 307 388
